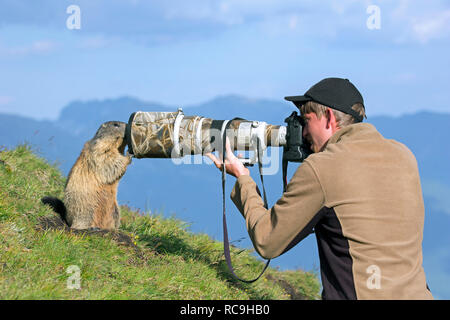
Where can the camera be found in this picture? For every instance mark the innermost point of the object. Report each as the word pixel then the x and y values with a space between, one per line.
pixel 174 135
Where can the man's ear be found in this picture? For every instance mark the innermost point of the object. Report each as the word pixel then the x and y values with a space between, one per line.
pixel 329 115
pixel 331 120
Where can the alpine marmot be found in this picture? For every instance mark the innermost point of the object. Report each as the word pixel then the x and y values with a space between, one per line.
pixel 91 188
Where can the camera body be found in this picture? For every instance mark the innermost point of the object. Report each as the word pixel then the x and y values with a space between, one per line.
pixel 295 150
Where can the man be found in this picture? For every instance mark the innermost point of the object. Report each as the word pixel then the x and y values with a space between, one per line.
pixel 358 191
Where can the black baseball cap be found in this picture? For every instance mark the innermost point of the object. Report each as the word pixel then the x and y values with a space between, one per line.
pixel 336 93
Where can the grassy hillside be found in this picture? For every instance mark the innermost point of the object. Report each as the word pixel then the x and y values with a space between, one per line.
pixel 162 259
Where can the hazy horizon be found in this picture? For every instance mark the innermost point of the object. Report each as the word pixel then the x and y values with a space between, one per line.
pixel 174 107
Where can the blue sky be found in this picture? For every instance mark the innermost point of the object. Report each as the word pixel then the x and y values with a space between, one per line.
pixel 186 52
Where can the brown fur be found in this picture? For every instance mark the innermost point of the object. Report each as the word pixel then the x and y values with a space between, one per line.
pixel 90 194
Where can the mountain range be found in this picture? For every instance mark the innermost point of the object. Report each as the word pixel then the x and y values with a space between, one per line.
pixel 192 192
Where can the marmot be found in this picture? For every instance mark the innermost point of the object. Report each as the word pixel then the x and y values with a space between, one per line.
pixel 91 187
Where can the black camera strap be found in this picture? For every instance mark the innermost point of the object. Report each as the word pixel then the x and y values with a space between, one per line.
pixel 226 243
pixel 284 166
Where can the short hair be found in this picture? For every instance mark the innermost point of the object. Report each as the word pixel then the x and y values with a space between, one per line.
pixel 342 119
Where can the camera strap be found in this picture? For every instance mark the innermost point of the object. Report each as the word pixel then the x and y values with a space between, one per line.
pixel 226 243
pixel 284 166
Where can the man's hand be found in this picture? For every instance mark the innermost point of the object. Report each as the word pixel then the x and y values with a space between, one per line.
pixel 233 166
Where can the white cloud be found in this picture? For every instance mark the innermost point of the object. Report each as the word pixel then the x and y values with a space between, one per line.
pixel 5 100
pixel 151 21
pixel 404 78
pixel 420 22
pixel 433 27
pixel 97 42
pixel 342 7
pixel 293 21
pixel 42 46
pixel 36 47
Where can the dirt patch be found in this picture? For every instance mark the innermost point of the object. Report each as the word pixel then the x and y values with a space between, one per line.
pixel 56 223
pixel 291 290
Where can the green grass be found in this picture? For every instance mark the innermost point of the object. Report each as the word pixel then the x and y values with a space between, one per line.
pixel 167 261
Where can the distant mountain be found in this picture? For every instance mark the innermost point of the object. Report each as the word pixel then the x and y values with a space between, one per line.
pixel 193 192
pixel 47 138
pixel 82 117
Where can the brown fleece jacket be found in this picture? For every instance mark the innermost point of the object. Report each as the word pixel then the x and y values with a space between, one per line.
pixel 362 197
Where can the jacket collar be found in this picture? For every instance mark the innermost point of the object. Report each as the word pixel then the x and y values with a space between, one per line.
pixel 353 131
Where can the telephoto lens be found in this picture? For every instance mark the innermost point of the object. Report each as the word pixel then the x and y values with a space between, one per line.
pixel 174 135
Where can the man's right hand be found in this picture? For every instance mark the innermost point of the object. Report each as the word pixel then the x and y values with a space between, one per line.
pixel 233 165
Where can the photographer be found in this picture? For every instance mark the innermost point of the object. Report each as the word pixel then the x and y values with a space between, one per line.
pixel 359 192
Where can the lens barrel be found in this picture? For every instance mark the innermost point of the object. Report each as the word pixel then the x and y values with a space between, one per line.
pixel 174 135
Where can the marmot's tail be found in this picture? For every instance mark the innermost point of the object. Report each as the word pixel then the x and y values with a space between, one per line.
pixel 57 206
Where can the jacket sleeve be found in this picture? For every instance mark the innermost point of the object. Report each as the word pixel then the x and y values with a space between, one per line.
pixel 279 228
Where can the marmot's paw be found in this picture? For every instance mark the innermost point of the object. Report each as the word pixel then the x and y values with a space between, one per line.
pixel 129 156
